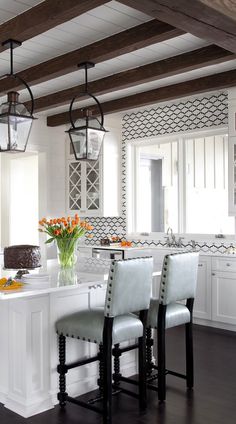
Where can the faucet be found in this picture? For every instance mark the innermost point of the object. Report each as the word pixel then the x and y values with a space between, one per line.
pixel 170 239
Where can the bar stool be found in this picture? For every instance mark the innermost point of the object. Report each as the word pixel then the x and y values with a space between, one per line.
pixel 128 290
pixel 178 283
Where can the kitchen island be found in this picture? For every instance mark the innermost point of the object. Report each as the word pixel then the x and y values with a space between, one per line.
pixel 29 380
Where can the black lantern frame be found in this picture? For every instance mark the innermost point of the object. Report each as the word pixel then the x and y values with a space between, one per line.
pixel 87 133
pixel 15 119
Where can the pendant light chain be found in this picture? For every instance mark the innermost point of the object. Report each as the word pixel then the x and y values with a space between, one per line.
pixel 11 58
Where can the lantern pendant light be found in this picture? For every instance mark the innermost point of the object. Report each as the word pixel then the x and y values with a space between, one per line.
pixel 86 133
pixel 15 119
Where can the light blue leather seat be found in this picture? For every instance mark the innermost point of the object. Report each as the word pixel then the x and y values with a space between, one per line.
pixel 128 291
pixel 88 325
pixel 176 314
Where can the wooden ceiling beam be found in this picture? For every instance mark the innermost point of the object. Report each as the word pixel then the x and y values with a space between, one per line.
pixel 222 80
pixel 127 41
pixel 44 16
pixel 214 21
pixel 210 55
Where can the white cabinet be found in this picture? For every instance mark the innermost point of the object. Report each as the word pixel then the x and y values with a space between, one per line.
pixel 84 187
pixel 223 297
pixel 224 290
pixel 202 301
pixel 93 187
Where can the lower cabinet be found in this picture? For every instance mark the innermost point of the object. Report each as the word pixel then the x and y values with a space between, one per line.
pixel 224 297
pixel 202 302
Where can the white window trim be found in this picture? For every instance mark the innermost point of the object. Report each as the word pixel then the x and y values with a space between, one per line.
pixel 131 199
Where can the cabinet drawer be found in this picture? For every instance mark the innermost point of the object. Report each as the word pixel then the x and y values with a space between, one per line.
pixel 224 264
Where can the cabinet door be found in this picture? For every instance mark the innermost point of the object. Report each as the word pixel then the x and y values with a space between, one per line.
pixel 84 187
pixel 202 302
pixel 223 297
pixel 93 188
pixel 75 186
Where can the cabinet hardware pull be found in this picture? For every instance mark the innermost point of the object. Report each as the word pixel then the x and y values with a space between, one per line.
pixel 227 264
pixel 212 273
pixel 200 264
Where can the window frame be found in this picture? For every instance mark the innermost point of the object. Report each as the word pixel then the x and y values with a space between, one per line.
pixel 131 172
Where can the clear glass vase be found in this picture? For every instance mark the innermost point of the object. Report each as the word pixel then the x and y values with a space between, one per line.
pixel 67 252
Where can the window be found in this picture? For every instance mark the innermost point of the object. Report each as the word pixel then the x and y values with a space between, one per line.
pixel 180 183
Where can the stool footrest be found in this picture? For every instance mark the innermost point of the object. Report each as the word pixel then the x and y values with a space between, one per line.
pixel 176 374
pixel 84 404
pixel 81 362
pixel 121 350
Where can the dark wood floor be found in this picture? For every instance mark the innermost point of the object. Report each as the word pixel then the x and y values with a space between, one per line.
pixel 213 400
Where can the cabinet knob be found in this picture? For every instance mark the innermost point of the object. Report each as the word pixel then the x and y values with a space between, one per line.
pixel 213 273
pixel 227 264
pixel 200 264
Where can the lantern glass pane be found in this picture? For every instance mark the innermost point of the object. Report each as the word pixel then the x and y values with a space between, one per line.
pixel 78 139
pixel 95 138
pixel 19 132
pixel 4 140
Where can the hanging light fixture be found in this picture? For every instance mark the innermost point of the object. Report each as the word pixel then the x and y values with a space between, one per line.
pixel 15 119
pixel 87 133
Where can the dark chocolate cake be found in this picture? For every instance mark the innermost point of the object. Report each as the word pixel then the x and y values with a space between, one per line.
pixel 22 256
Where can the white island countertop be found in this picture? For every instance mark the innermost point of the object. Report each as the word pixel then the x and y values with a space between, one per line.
pixel 50 278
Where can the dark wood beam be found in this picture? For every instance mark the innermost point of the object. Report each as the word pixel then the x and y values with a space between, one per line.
pixel 44 16
pixel 210 55
pixel 126 41
pixel 222 80
pixel 213 20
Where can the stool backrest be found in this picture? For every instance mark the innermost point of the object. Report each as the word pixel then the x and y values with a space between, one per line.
pixel 129 286
pixel 179 277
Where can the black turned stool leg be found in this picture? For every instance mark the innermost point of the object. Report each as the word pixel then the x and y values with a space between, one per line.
pixel 149 345
pixel 61 369
pixel 107 383
pixel 142 373
pixel 117 374
pixel 161 351
pixel 189 347
pixel 101 370
pixel 142 363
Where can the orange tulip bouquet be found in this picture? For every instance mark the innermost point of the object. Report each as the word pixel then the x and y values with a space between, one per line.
pixel 65 232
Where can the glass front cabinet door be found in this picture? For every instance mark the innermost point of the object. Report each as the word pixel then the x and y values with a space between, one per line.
pixel 84 188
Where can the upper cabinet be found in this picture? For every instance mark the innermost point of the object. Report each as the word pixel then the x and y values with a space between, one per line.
pixel 92 188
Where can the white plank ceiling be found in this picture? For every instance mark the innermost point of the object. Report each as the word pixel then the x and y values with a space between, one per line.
pixel 97 24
